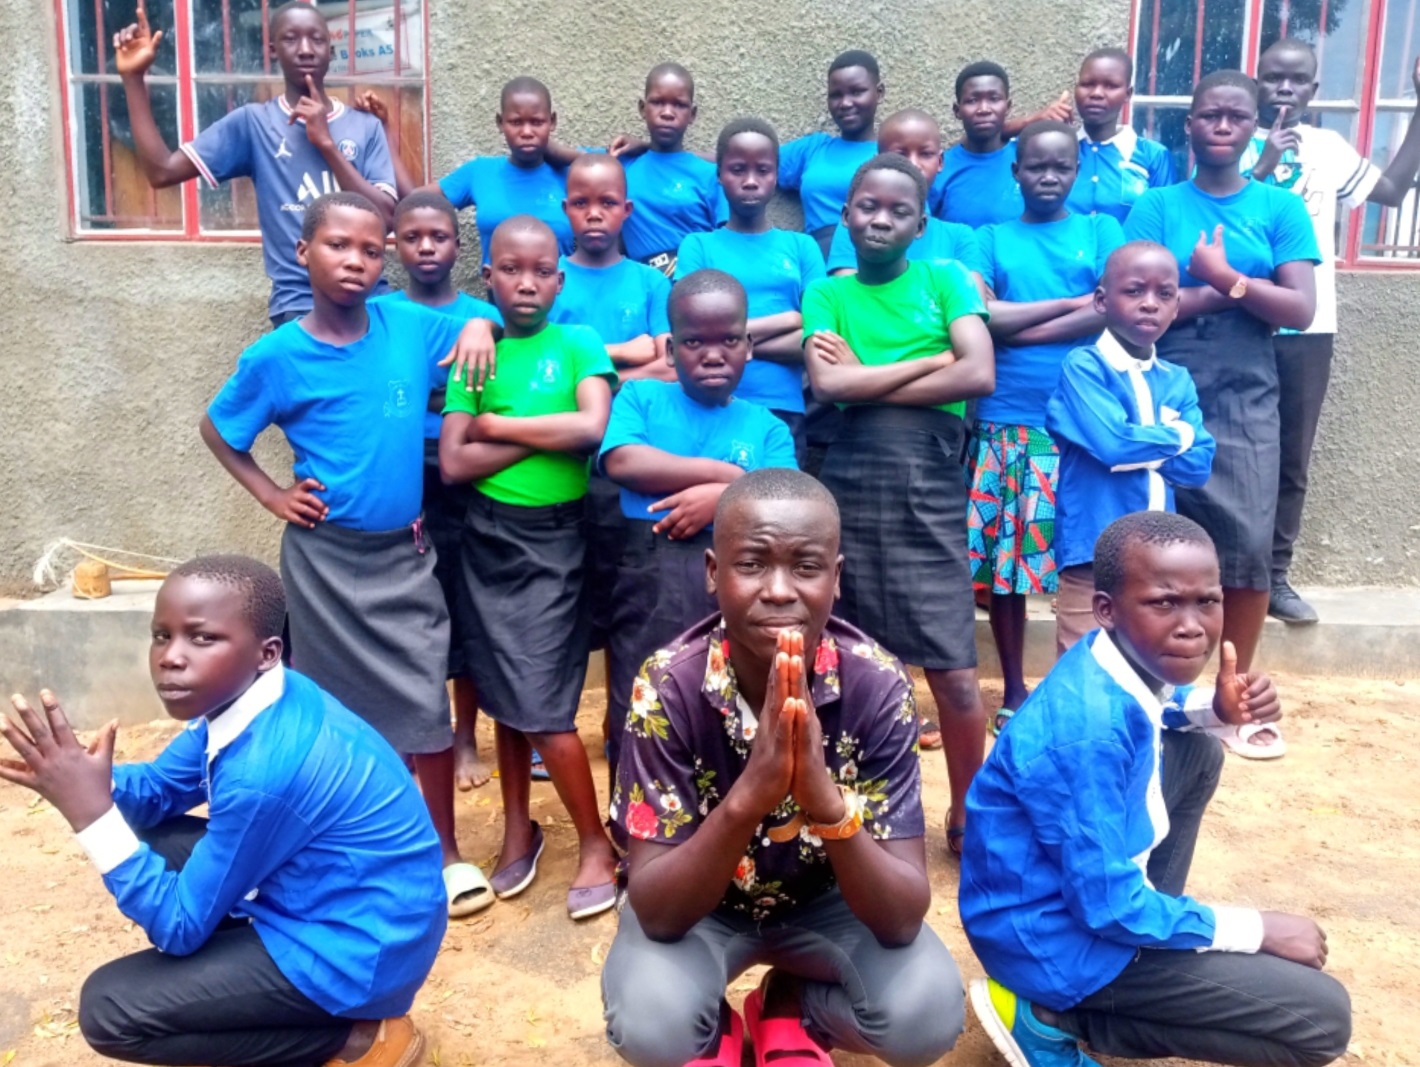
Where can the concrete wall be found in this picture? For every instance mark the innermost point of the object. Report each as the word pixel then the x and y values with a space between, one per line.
pixel 111 350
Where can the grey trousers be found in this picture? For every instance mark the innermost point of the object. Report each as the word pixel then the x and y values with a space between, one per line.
pixel 662 999
pixel 1220 1007
pixel 1303 372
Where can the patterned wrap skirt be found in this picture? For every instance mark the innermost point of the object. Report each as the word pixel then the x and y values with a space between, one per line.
pixel 1010 519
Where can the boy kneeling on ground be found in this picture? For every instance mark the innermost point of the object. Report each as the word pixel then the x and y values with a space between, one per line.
pixel 1080 833
pixel 770 788
pixel 295 923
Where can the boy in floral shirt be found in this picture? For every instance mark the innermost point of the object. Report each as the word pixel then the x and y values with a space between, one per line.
pixel 772 797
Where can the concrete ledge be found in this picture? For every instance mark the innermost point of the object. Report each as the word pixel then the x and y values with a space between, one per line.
pixel 94 653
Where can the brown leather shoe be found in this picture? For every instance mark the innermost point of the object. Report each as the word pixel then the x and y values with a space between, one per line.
pixel 398 1043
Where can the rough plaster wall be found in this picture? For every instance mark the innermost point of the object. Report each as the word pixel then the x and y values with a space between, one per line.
pixel 111 351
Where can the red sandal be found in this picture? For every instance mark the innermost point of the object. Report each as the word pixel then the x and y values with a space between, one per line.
pixel 785 1036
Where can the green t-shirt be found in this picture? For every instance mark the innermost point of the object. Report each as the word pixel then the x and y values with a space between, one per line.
pixel 537 375
pixel 908 318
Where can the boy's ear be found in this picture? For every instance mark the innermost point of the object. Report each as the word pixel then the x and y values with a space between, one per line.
pixel 641 107
pixel 270 654
pixel 487 273
pixel 561 279
pixel 1103 604
pixel 630 206
pixel 1099 299
pixel 837 578
pixel 956 108
pixel 552 125
pixel 670 352
pixel 301 247
pixel 498 119
pixel 1129 94
pixel 711 564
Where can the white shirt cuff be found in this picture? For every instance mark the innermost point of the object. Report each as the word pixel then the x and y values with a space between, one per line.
pixel 1236 930
pixel 1198 706
pixel 108 840
pixel 1185 435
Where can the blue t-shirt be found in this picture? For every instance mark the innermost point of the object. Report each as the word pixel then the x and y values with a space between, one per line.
pixel 661 415
pixel 259 141
pixel 939 242
pixel 675 194
pixel 820 167
pixel 1114 174
pixel 463 307
pixel 620 302
pixel 776 268
pixel 353 414
pixel 1263 226
pixel 976 188
pixel 1041 261
pixel 497 189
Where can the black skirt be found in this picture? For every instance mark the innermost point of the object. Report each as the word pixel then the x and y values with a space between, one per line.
pixel 660 593
pixel 897 476
pixel 606 536
pixel 444 509
pixel 1234 367
pixel 526 645
pixel 369 626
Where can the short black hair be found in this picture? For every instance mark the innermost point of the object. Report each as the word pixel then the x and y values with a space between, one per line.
pixel 524 84
pixel 749 124
pixel 1292 44
pixel 856 57
pixel 983 68
pixel 697 282
pixel 1119 55
pixel 1129 250
pixel 590 160
pixel 1039 128
pixel 521 224
pixel 263 597
pixel 321 207
pixel 427 198
pixel 776 483
pixel 285 9
pixel 1139 528
pixel 1233 79
pixel 675 69
pixel 895 162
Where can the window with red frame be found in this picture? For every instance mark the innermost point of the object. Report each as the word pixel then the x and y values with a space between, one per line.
pixel 214 57
pixel 1366 50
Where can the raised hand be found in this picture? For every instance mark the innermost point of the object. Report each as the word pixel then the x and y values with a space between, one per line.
pixel 73 777
pixel 1062 109
pixel 372 102
pixel 1245 697
pixel 135 47
pixel 1293 937
pixel 311 107
pixel 298 504
pixel 1209 261
pixel 691 510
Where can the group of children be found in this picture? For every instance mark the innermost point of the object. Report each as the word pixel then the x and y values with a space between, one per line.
pixel 604 455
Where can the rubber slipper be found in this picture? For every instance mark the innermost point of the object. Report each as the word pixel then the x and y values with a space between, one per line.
pixel 519 874
pixel 591 900
pixel 1239 740
pixel 539 771
pixel 999 721
pixel 955 834
pixel 469 891
pixel 929 736
pixel 731 1044
pixel 786 1037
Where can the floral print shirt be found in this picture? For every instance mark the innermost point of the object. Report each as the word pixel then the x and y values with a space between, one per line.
pixel 688 738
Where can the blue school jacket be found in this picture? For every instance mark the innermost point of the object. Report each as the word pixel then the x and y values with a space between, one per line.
pixel 1128 431
pixel 1062 818
pixel 316 833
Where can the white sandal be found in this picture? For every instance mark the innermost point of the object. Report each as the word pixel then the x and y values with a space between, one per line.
pixel 1239 740
pixel 468 889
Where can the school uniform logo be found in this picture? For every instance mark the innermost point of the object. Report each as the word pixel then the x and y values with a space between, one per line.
pixel 400 400
pixel 349 149
pixel 549 373
pixel 741 455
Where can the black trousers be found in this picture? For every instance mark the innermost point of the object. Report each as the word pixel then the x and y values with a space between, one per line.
pixel 227 1004
pixel 1303 372
pixel 1220 1007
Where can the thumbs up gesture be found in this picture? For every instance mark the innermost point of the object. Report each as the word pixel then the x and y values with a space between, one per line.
pixel 1246 696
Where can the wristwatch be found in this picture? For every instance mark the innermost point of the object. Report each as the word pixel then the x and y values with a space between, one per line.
pixel 1239 289
pixel 845 827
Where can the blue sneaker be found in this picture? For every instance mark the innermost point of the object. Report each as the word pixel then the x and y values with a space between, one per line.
pixel 1018 1035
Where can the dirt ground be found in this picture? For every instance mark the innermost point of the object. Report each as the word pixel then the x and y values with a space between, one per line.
pixel 1330 830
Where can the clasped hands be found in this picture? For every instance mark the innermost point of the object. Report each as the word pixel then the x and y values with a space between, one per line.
pixel 75 778
pixel 787 757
